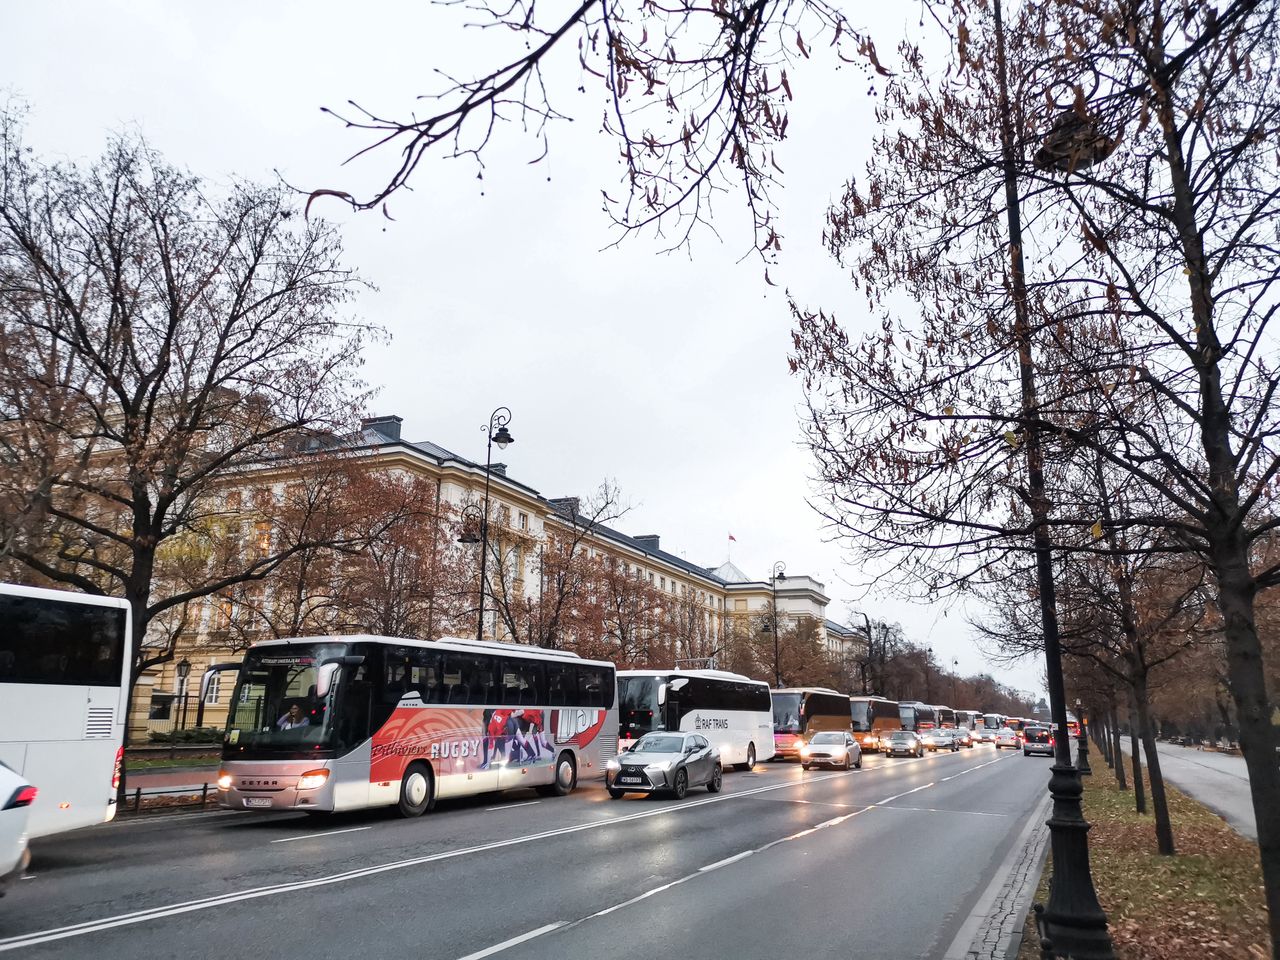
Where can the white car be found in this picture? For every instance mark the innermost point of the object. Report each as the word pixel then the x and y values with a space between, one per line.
pixel 16 796
pixel 1007 737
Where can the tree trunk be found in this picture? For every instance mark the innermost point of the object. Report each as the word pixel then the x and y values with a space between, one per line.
pixel 1139 793
pixel 1159 801
pixel 1236 590
pixel 1117 750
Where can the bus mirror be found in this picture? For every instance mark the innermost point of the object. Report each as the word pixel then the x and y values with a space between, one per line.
pixel 679 684
pixel 207 677
pixel 328 671
pixel 662 694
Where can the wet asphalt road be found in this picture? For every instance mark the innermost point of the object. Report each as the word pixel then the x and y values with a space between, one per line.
pixel 884 862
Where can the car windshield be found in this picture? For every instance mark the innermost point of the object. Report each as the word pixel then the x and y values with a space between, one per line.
pixel 827 738
pixel 902 735
pixel 664 743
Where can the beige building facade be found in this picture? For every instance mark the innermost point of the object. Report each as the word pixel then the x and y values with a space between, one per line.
pixel 720 595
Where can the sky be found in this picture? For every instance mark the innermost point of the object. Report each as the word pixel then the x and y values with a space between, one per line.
pixel 664 372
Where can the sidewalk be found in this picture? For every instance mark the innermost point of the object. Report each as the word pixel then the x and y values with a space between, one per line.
pixel 1219 781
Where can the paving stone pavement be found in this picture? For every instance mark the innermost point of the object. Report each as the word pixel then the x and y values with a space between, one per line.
pixel 1000 932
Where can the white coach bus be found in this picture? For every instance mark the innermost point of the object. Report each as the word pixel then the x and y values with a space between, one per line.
pixel 64 687
pixel 734 712
pixel 322 724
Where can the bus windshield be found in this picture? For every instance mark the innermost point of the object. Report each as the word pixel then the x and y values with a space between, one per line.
pixel 275 706
pixel 861 712
pixel 786 713
pixel 638 708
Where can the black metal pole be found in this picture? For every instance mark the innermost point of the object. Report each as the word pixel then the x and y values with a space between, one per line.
pixel 484 533
pixel 1082 754
pixel 1072 923
pixel 777 671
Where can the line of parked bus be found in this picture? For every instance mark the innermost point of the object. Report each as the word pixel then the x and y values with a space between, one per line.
pixel 325 724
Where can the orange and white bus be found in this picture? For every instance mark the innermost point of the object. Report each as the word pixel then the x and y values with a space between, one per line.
pixel 322 724
pixel 873 717
pixel 800 712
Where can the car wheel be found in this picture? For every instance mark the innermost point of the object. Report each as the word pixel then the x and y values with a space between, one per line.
pixel 804 766
pixel 417 791
pixel 1026 753
pixel 858 765
pixel 716 781
pixel 751 759
pixel 681 785
pixel 847 764
pixel 615 793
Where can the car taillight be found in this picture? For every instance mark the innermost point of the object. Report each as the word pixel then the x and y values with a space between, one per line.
pixel 22 797
pixel 115 773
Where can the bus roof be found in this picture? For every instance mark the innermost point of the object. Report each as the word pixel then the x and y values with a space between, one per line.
pixel 873 696
pixel 808 690
pixel 706 674
pixel 66 596
pixel 444 643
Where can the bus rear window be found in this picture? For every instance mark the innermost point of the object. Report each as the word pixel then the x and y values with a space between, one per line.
pixel 48 641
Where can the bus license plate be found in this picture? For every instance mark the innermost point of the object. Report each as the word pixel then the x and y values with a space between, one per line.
pixel 257 801
pixel 629 780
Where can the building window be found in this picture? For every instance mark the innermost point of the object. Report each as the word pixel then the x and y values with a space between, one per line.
pixel 662 582
pixel 233 500
pixel 651 576
pixel 262 536
pixel 524 521
pixel 215 685
pixel 740 605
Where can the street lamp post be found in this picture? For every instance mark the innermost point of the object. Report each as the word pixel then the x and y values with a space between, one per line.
pixel 928 675
pixel 1082 753
pixel 778 573
pixel 955 669
pixel 183 669
pixel 495 433
pixel 1072 923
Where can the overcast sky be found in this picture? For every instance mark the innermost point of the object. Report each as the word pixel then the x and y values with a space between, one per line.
pixel 666 373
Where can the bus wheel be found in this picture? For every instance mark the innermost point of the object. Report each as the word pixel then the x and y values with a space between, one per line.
pixel 417 791
pixel 566 777
pixel 751 759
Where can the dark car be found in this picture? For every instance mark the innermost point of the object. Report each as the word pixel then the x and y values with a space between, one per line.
pixel 831 748
pixel 902 743
pixel 1037 740
pixel 667 763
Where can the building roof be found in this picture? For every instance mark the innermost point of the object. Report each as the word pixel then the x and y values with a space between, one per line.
pixel 729 572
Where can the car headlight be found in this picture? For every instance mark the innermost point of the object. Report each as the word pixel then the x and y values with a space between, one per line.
pixel 613 764
pixel 312 779
pixel 659 767
pixel 804 751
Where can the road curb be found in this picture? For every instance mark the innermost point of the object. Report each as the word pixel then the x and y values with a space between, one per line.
pixel 993 931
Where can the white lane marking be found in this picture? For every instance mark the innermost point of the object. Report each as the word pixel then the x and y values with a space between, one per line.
pixel 327 833
pixel 970 813
pixel 514 941
pixel 725 862
pixel 959 948
pixel 190 906
pixel 512 806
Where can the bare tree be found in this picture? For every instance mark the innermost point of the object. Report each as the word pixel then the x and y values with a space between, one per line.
pixel 171 341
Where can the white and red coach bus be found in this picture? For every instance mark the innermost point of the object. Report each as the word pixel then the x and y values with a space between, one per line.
pixel 347 722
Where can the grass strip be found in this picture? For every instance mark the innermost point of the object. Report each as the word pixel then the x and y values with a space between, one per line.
pixel 1204 903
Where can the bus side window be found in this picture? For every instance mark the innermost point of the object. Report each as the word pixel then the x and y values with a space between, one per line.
pixel 590 687
pixel 562 685
pixel 424 675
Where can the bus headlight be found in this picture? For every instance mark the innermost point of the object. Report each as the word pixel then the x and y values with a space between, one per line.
pixel 804 751
pixel 312 779
pixel 225 780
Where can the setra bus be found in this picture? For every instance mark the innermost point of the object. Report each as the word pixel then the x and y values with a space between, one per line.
pixel 989 725
pixel 800 712
pixel 873 717
pixel 730 710
pixel 323 724
pixel 946 716
pixel 968 719
pixel 64 692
